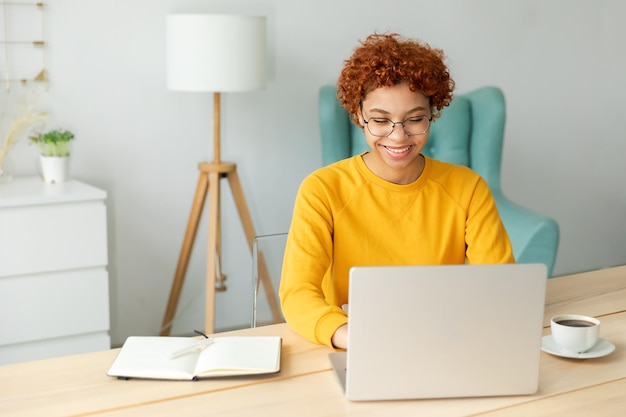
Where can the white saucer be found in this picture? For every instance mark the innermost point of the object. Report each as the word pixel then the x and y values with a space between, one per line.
pixel 600 349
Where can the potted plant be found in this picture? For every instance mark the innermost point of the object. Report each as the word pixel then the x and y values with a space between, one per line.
pixel 55 152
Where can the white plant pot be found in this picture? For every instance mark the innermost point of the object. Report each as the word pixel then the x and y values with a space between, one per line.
pixel 54 169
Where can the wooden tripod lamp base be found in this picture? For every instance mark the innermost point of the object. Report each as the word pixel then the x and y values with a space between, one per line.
pixel 210 176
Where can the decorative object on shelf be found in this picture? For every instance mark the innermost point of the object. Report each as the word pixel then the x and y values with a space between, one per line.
pixel 25 50
pixel 26 121
pixel 6 170
pixel 216 53
pixel 55 151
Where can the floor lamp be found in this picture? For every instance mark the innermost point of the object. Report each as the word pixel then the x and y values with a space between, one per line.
pixel 213 53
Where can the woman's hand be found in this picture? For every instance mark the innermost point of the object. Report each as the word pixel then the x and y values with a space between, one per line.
pixel 340 337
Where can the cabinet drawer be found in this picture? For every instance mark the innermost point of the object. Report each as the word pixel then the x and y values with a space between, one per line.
pixel 54 305
pixel 50 348
pixel 52 237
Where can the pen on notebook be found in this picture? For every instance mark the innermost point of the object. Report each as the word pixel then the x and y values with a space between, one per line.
pixel 196 346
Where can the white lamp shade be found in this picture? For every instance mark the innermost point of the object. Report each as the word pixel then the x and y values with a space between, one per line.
pixel 219 53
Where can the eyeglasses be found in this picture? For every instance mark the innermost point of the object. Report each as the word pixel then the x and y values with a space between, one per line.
pixel 412 126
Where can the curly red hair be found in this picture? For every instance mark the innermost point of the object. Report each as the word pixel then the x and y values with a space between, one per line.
pixel 385 60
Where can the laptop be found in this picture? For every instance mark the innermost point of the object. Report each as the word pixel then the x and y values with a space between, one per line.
pixel 442 331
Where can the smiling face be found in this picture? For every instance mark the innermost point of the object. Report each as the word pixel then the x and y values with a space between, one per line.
pixel 395 158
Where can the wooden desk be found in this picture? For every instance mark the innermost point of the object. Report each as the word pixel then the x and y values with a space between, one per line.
pixel 306 386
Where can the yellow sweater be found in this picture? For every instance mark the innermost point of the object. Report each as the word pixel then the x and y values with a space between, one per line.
pixel 344 216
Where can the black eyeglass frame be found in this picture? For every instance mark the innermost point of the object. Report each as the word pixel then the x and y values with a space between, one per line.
pixel 393 125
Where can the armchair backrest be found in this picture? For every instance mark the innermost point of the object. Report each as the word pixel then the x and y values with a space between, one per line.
pixel 469 132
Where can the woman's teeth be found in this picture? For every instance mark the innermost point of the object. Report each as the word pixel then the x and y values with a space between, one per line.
pixel 395 150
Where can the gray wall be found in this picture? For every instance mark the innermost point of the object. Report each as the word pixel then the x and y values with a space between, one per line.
pixel 559 63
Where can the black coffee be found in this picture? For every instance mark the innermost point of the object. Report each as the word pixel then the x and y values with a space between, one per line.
pixel 575 323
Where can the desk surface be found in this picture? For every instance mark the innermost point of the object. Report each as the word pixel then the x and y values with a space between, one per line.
pixel 78 385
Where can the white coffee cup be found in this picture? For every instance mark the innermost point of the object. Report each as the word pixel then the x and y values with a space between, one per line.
pixel 575 333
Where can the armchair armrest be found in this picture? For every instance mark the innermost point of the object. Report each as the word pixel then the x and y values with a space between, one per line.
pixel 534 237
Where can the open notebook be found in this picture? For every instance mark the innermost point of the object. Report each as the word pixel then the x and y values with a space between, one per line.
pixel 186 358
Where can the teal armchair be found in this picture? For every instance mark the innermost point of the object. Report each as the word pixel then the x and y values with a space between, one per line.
pixel 469 132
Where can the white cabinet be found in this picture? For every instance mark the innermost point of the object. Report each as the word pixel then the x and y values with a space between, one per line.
pixel 54 286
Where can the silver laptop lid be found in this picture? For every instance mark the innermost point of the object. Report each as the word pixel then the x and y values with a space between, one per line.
pixel 444 331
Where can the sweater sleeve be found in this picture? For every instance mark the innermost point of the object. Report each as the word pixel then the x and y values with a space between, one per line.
pixel 487 241
pixel 307 266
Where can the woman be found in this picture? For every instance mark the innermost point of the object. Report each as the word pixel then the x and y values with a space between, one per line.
pixel 391 205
